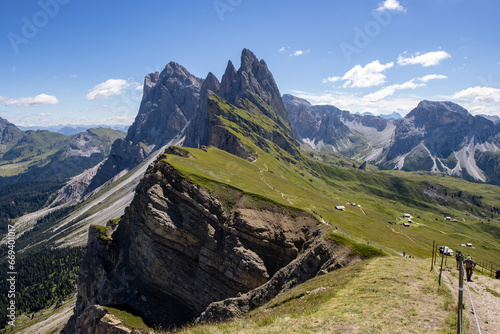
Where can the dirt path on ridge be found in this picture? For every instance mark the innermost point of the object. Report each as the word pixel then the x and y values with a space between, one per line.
pixel 485 294
pixel 267 184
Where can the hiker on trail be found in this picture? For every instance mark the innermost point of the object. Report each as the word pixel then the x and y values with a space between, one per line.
pixel 497 274
pixel 469 267
pixel 459 253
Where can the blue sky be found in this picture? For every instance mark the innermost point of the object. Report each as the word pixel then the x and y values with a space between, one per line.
pixel 84 62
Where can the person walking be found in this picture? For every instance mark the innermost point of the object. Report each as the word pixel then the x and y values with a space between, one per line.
pixel 469 268
pixel 459 253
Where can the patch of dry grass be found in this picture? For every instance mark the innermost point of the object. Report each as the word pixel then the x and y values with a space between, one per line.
pixel 382 295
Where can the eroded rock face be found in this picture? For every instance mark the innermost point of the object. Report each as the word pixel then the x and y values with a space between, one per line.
pixel 179 248
pixel 254 82
pixel 252 86
pixel 169 102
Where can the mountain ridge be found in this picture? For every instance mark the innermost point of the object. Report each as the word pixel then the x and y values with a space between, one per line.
pixel 436 136
pixel 243 228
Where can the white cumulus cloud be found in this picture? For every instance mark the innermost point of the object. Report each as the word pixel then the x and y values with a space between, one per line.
pixel 425 59
pixel 109 88
pixel 479 94
pixel 411 84
pixel 390 90
pixel 430 77
pixel 331 79
pixel 32 101
pixel 361 77
pixel 480 100
pixel 393 5
pixel 299 53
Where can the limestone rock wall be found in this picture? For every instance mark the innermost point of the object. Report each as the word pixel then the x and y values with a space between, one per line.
pixel 179 249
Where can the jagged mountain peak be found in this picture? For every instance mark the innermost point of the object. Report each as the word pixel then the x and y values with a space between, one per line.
pixel 196 133
pixel 173 76
pixel 437 107
pixel 175 90
pixel 151 79
pixel 250 63
pixel 229 77
pixel 253 91
pixel 173 69
pixel 255 83
pixel 211 82
pixel 248 59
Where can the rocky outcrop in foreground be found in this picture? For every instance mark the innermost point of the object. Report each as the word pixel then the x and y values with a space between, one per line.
pixel 182 252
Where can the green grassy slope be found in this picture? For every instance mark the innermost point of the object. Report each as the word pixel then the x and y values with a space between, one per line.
pixel 295 179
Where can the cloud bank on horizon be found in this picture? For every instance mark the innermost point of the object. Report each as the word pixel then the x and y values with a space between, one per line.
pixel 30 101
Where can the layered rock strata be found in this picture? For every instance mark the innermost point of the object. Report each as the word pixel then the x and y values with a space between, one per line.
pixel 181 252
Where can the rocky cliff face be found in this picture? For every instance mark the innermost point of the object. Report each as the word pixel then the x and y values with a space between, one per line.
pixel 196 134
pixel 251 88
pixel 98 321
pixel 175 98
pixel 182 252
pixel 169 102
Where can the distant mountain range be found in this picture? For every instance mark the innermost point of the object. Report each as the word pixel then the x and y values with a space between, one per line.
pixel 70 129
pixel 389 117
pixel 440 137
pixel 29 154
pixel 35 164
